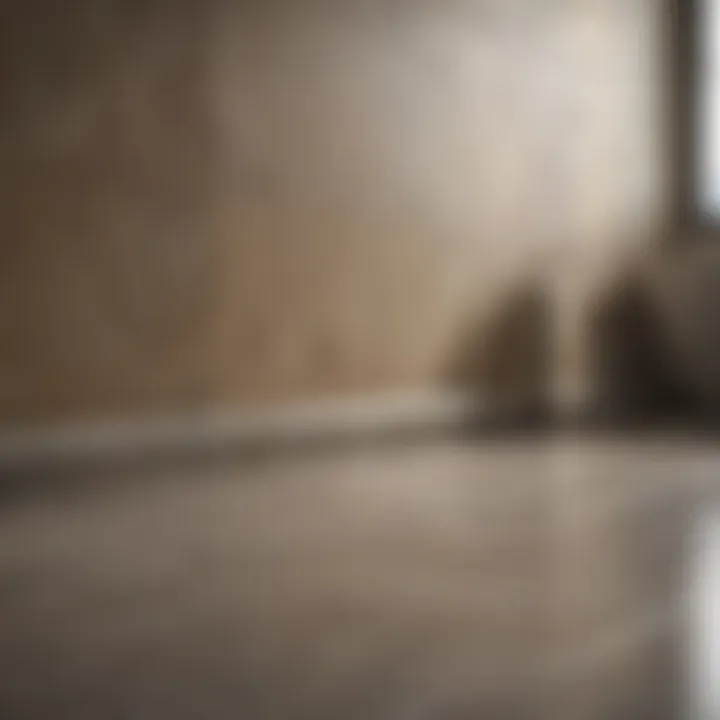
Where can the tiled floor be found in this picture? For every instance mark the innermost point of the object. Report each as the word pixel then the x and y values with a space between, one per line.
pixel 434 580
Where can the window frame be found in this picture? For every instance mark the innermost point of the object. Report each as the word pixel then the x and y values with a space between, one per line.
pixel 689 99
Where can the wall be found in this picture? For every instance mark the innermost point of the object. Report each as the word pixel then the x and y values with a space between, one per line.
pixel 223 204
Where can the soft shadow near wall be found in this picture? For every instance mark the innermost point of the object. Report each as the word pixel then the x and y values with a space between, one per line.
pixel 507 363
pixel 636 379
pixel 504 362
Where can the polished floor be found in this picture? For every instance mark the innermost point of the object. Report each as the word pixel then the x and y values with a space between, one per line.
pixel 441 579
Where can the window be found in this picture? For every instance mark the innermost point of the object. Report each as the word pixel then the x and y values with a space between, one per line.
pixel 707 145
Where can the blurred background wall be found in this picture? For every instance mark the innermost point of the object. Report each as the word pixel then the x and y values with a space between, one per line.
pixel 225 204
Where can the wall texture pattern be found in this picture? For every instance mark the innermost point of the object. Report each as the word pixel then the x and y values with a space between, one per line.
pixel 213 204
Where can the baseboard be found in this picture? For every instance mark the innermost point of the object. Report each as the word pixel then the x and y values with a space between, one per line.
pixel 52 446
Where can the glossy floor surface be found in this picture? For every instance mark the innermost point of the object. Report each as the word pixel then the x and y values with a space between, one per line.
pixel 438 579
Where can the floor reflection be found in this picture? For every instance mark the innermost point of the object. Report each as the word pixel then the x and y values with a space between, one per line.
pixel 430 581
pixel 704 617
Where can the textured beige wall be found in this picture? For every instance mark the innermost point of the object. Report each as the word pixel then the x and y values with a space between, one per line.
pixel 220 204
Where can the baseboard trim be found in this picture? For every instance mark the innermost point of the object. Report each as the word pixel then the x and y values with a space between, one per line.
pixel 221 429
